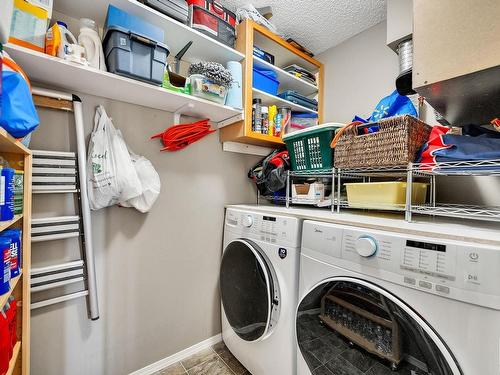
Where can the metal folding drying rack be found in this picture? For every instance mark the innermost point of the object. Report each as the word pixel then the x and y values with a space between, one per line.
pixel 56 172
pixel 414 170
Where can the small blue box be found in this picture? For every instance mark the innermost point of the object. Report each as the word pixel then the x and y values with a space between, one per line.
pixel 117 18
pixel 265 80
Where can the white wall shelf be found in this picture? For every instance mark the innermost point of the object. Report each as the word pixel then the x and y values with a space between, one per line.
pixel 64 75
pixel 287 81
pixel 177 35
pixel 268 99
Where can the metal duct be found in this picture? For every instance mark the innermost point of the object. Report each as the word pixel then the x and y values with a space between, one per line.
pixel 404 83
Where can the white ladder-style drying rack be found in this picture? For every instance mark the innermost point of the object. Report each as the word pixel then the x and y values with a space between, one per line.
pixel 56 172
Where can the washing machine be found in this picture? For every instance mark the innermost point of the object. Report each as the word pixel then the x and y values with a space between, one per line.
pixel 376 302
pixel 259 279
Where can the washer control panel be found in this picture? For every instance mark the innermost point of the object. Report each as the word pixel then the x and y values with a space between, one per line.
pixel 273 229
pixel 458 270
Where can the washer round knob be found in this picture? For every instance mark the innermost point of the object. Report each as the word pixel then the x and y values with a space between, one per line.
pixel 247 221
pixel 366 246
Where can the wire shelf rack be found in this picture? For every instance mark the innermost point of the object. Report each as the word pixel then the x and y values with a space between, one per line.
pixel 459 168
pixel 337 200
pixel 488 213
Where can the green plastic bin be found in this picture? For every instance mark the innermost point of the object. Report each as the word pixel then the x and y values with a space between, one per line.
pixel 309 148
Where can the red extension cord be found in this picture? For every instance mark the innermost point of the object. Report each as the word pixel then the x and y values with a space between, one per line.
pixel 178 137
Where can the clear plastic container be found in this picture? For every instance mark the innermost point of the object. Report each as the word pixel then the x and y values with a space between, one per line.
pixel 204 88
pixel 384 195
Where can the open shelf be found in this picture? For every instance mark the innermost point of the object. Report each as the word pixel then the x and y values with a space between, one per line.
pixel 9 144
pixel 287 81
pixel 13 359
pixel 284 54
pixel 268 99
pixel 177 35
pixel 5 297
pixel 6 224
pixel 77 78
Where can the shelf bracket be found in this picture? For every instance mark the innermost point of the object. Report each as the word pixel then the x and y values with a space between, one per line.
pixel 179 112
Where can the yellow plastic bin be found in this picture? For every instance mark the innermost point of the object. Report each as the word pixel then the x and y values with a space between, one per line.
pixel 384 195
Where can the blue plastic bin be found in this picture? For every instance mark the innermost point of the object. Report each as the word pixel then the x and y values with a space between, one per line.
pixel 117 18
pixel 265 80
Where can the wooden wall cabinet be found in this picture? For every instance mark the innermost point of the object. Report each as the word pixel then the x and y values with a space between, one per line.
pixel 19 158
pixel 250 34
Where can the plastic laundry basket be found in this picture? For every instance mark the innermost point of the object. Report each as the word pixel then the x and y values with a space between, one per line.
pixel 309 148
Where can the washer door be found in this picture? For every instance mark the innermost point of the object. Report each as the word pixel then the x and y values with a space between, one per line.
pixel 247 290
pixel 382 327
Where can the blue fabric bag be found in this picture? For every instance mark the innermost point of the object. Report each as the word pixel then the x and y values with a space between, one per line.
pixel 392 105
pixel 17 113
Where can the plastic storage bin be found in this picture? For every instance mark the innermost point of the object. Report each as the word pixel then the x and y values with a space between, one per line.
pixel 265 80
pixel 309 149
pixel 117 18
pixel 384 195
pixel 302 100
pixel 135 56
pixel 212 19
pixel 202 87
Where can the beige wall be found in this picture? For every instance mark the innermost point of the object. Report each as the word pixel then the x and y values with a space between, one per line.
pixel 358 73
pixel 157 273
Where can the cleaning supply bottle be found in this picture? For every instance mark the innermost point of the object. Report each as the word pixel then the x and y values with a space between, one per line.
pixel 58 40
pixel 90 40
pixel 53 39
pixel 7 194
pixel 273 110
pixel 5 243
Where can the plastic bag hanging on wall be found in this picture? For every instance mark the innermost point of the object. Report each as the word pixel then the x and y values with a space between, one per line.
pixel 111 173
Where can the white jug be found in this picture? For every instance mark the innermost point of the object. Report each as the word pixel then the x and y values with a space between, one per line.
pixel 90 40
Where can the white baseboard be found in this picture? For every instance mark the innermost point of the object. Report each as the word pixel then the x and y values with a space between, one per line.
pixel 183 354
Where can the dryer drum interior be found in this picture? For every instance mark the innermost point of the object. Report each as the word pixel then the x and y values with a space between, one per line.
pixel 361 328
pixel 249 290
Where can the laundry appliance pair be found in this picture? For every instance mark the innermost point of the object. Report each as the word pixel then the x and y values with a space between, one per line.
pixel 308 297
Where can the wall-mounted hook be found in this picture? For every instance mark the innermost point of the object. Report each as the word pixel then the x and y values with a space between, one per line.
pixel 179 112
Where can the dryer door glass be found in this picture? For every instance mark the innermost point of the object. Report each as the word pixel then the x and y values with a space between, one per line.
pixel 246 289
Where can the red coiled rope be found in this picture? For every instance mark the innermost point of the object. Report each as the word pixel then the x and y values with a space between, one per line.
pixel 178 137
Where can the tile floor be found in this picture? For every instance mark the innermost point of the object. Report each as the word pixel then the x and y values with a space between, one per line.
pixel 327 353
pixel 216 360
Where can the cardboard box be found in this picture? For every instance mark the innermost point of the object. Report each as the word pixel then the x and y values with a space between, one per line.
pixel 29 25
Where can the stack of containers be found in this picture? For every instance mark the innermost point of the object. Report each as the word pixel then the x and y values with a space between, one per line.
pixel 133 47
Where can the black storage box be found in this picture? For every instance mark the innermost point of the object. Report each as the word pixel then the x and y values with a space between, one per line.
pixel 135 56
pixel 177 9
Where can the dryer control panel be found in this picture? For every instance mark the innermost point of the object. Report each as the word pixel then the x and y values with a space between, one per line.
pixel 458 270
pixel 273 229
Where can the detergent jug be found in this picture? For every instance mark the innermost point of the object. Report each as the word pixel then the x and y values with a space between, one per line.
pixel 58 40
pixel 90 40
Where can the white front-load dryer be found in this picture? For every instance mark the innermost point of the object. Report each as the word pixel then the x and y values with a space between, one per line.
pixel 259 288
pixel 375 302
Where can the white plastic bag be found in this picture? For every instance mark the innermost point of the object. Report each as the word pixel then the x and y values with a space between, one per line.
pixel 111 173
pixel 151 184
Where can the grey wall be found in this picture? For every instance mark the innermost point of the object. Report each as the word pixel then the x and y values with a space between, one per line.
pixel 157 273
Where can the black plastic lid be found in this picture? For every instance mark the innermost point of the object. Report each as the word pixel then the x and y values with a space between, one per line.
pixel 257 101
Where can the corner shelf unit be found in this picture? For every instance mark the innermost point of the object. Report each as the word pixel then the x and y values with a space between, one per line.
pixel 250 34
pixel 64 75
pixel 428 172
pixel 19 158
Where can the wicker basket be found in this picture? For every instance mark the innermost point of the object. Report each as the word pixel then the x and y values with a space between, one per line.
pixel 397 143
